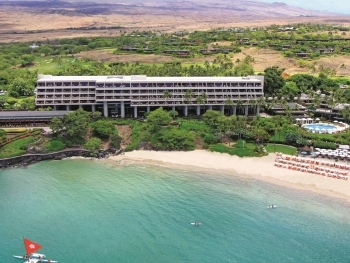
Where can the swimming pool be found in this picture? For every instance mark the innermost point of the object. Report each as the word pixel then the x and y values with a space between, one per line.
pixel 320 127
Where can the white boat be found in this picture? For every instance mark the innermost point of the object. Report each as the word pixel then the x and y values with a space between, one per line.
pixel 32 257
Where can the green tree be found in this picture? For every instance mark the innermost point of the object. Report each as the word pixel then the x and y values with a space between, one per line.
pixel 115 141
pixel 273 80
pixel 27 60
pixel 76 125
pixel 210 117
pixel 3 100
pixel 157 118
pixel 243 69
pixel 175 139
pixel 166 95
pixel 20 87
pixel 28 104
pixel 93 145
pixel 290 90
pixel 173 114
pixel 103 128
pixel 56 125
pixel 188 97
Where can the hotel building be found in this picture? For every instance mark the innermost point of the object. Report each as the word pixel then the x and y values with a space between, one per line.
pixel 132 96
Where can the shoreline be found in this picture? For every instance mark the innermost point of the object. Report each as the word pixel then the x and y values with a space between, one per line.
pixel 261 168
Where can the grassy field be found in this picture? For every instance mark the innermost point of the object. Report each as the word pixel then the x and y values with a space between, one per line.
pixel 15 148
pixel 271 148
pixel 48 63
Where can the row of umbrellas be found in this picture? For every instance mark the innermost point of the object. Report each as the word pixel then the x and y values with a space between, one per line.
pixel 313 162
pixel 339 153
pixel 316 168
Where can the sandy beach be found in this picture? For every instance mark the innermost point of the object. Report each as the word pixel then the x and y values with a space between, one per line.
pixel 260 168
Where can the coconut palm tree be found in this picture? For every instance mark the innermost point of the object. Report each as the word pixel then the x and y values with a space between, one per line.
pixel 261 102
pixel 331 103
pixel 240 104
pixel 188 97
pixel 204 99
pixel 229 103
pixel 166 95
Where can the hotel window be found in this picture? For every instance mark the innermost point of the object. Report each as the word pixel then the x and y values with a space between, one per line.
pixel 67 83
pixel 75 84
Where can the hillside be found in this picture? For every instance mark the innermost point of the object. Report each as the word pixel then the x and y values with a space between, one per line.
pixel 36 20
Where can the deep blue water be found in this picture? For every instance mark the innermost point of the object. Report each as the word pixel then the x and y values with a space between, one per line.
pixel 96 211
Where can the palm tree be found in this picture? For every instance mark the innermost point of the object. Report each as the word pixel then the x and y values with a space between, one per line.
pixel 252 103
pixel 346 114
pixel 205 100
pixel 261 102
pixel 188 97
pixel 331 103
pixel 229 103
pixel 239 104
pixel 199 100
pixel 166 95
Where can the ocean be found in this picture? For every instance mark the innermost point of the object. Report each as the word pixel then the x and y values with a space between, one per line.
pixel 100 211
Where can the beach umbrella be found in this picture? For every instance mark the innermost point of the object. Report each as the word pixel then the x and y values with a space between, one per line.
pixel 317 119
pixel 335 121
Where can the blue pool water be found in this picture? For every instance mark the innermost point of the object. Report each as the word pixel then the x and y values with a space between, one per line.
pixel 320 127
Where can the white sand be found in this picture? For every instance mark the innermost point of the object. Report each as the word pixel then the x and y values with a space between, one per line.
pixel 261 168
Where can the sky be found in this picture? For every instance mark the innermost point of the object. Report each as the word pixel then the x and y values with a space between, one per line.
pixel 334 6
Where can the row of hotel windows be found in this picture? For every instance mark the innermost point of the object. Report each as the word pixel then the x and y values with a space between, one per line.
pixel 43 97
pixel 172 99
pixel 181 91
pixel 185 85
pixel 144 85
pixel 142 92
pixel 65 90
pixel 65 102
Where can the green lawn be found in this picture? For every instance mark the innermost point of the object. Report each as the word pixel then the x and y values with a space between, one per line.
pixel 271 148
pixel 239 149
pixel 15 148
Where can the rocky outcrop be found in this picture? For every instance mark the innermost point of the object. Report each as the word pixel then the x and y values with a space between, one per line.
pixel 28 159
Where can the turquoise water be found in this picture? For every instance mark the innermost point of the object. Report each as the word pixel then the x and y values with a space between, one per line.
pixel 97 211
pixel 319 127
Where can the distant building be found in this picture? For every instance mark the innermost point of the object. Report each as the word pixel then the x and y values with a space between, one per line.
pixel 33 46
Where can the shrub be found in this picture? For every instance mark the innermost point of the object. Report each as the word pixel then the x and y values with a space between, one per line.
pixel 325 145
pixel 103 128
pixel 93 145
pixel 2 133
pixel 15 130
pixel 115 141
pixel 174 139
pixel 55 145
pixel 210 139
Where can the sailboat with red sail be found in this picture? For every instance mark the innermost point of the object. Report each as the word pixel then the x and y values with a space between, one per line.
pixel 32 257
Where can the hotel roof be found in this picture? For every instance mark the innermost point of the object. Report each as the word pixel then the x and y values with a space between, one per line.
pixel 143 78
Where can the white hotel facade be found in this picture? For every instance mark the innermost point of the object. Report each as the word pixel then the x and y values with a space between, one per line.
pixel 132 96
